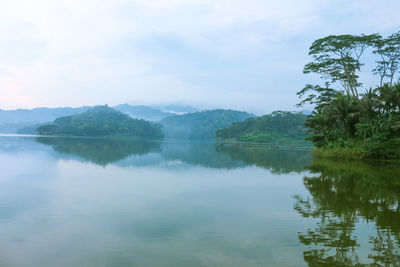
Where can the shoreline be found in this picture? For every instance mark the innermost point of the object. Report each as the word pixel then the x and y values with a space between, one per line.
pixel 263 145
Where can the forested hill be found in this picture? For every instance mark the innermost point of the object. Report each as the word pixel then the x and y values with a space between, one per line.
pixel 201 125
pixel 279 126
pixel 42 115
pixel 27 120
pixel 101 121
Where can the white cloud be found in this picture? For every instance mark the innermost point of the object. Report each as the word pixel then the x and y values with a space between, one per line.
pixel 71 52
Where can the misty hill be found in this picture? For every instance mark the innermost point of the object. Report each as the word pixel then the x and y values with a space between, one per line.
pixel 201 125
pixel 279 126
pixel 12 128
pixel 27 120
pixel 143 112
pixel 37 115
pixel 101 121
pixel 11 121
pixel 176 109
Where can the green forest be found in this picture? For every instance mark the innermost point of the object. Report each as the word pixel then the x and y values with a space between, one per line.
pixel 201 125
pixel 101 121
pixel 280 126
pixel 351 120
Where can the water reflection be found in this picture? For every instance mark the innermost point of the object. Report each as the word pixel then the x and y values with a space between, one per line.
pixel 344 197
pixel 101 151
pixel 200 154
pixel 168 204
pixel 276 160
pixel 107 151
pixel 191 204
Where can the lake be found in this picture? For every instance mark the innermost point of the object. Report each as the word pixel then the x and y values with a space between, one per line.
pixel 104 202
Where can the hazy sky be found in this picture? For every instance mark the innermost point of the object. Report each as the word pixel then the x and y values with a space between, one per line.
pixel 241 54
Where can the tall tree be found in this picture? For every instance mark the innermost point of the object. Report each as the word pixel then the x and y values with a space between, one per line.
pixel 337 59
pixel 389 51
pixel 368 124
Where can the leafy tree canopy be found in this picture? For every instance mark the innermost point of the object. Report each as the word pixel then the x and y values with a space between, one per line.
pixel 279 126
pixel 343 117
pixel 201 125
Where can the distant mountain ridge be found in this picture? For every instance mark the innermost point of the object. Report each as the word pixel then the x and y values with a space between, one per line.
pixel 143 112
pixel 37 115
pixel 11 121
pixel 192 126
pixel 176 109
pixel 226 125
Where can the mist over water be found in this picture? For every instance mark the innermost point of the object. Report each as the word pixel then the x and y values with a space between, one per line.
pixel 107 202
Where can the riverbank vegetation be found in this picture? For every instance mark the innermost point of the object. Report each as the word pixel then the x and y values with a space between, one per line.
pixel 279 127
pixel 350 120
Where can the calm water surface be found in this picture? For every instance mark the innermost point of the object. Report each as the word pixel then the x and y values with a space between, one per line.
pixel 93 202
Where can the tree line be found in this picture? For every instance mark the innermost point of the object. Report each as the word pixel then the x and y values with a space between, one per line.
pixel 350 120
pixel 284 127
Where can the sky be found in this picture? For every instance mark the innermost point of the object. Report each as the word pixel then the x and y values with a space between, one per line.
pixel 238 54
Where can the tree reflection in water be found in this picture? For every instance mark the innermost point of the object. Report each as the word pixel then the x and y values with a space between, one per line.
pixel 101 151
pixel 341 196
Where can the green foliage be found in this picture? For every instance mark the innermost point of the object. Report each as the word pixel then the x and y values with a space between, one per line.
pixel 344 123
pixel 389 52
pixel 370 124
pixel 355 153
pixel 337 59
pixel 201 125
pixel 101 121
pixel 281 126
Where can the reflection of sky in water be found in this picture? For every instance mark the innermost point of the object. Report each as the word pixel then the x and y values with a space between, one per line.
pixel 166 208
